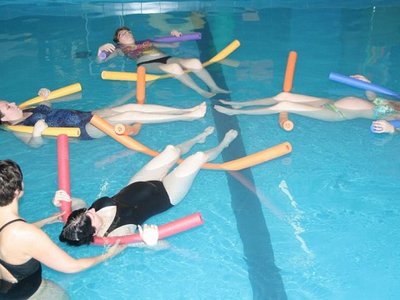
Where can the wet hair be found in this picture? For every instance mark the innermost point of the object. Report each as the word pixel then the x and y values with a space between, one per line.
pixel 10 181
pixel 116 38
pixel 78 229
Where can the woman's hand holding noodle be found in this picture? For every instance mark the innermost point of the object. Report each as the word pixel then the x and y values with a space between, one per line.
pixel 39 127
pixel 59 196
pixel 149 234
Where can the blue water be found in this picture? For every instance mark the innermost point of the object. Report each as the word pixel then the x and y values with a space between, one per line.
pixel 333 235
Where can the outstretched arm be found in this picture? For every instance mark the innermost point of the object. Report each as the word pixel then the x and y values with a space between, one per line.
pixel 39 246
pixel 106 52
pixel 48 220
pixel 175 33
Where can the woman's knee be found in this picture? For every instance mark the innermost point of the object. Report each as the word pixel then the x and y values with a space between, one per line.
pixel 192 63
pixel 172 68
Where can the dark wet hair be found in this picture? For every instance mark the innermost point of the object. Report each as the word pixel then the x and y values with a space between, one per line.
pixel 116 38
pixel 78 229
pixel 10 181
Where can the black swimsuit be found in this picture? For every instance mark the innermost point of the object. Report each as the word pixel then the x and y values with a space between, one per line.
pixel 135 203
pixel 28 274
pixel 162 60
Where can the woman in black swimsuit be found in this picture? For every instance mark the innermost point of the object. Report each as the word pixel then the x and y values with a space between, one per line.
pixel 24 246
pixel 151 191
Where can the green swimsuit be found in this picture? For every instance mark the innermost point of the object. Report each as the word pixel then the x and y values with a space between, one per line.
pixel 383 108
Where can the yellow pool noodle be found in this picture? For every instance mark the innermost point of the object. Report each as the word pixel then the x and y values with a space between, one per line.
pixel 64 91
pixel 50 131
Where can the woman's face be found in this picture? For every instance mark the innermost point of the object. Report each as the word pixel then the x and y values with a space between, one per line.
pixel 125 37
pixel 10 111
pixel 97 222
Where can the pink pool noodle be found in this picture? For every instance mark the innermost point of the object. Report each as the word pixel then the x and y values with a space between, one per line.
pixel 164 230
pixel 63 172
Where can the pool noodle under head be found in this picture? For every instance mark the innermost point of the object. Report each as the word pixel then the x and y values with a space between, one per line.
pixel 164 230
pixel 362 84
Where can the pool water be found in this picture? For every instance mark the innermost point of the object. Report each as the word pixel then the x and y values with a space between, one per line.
pixel 320 223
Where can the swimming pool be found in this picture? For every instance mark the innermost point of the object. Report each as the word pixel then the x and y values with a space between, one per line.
pixel 332 235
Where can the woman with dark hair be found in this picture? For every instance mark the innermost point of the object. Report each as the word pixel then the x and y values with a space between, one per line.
pixel 151 191
pixel 24 246
pixel 44 116
pixel 147 53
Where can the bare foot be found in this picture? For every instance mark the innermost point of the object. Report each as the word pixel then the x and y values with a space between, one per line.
pixel 229 137
pixel 206 94
pixel 199 112
pixel 234 104
pixel 194 108
pixel 218 90
pixel 202 136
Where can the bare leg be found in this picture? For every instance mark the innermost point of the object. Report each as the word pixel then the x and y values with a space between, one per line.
pixel 150 108
pixel 239 104
pixel 159 166
pixel 130 117
pixel 179 181
pixel 320 113
pixel 201 138
pixel 188 81
pixel 176 70
pixel 195 65
pixel 281 97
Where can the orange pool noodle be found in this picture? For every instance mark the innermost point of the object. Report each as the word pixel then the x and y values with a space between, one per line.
pixel 233 165
pixel 141 85
pixel 289 73
pixel 284 121
pixel 122 129
pixel 125 140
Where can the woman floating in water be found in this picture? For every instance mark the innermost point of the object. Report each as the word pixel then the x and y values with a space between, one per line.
pixel 147 53
pixel 324 109
pixel 151 191
pixel 43 116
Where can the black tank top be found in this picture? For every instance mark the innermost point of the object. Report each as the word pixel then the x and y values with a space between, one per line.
pixel 28 274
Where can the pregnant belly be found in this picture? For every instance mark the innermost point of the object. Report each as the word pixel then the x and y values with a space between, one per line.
pixel 353 103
